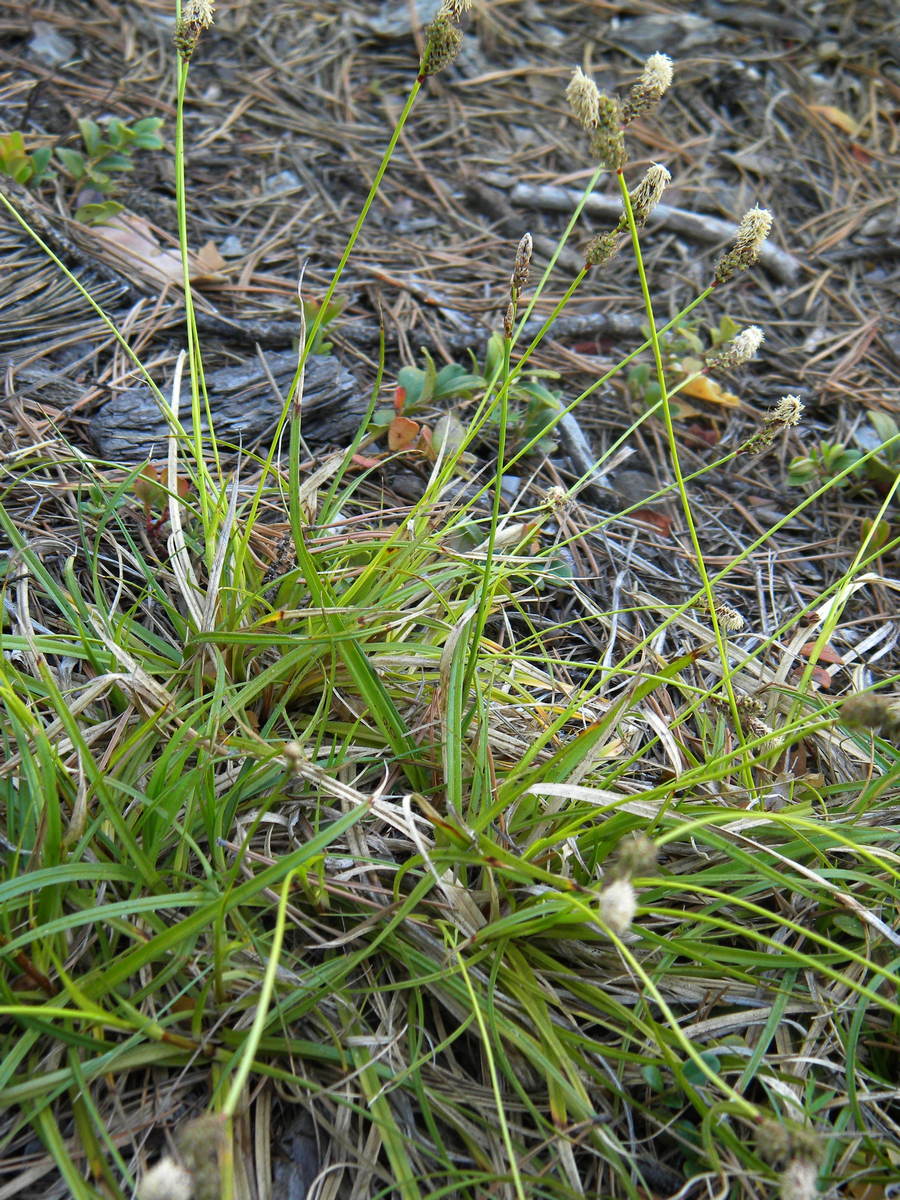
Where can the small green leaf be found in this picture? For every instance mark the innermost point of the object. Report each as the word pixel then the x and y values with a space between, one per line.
pixel 653 1077
pixel 884 425
pixel 90 135
pixel 411 379
pixel 73 161
pixel 97 214
pixel 428 380
pixel 694 1075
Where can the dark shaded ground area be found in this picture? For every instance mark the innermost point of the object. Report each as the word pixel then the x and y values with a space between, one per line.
pixel 791 106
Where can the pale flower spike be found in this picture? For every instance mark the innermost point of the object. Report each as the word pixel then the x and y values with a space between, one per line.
pixel 747 342
pixel 584 99
pixel 618 904
pixel 196 16
pixel 200 11
pixel 657 73
pixel 788 412
pixel 648 192
pixel 799 1181
pixel 755 227
pixel 454 9
pixel 654 82
pixel 742 347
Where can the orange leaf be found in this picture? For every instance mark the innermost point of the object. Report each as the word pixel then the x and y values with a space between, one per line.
pixel 826 655
pixel 822 678
pixel 208 265
pixel 704 388
pixel 837 117
pixel 402 433
pixel 657 519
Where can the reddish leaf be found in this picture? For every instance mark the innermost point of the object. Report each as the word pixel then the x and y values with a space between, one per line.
pixel 707 437
pixel 826 655
pixel 399 400
pixel 657 519
pixel 822 678
pixel 402 433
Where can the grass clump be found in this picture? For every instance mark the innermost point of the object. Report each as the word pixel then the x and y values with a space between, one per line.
pixel 306 813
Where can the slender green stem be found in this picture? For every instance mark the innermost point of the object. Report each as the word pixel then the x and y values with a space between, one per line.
pixel 195 358
pixel 487 589
pixel 354 234
pixel 676 463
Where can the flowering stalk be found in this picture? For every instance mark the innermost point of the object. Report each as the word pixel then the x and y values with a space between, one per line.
pixel 618 899
pixel 755 227
pixel 787 413
pixel 721 643
pixel 517 283
pixel 742 347
pixel 190 22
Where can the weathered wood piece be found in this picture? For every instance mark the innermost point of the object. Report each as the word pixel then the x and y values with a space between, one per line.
pixel 245 407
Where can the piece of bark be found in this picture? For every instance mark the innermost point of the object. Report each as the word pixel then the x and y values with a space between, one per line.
pixel 245 408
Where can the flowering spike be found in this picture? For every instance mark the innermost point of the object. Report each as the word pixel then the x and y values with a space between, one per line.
pixel 607 142
pixel 654 82
pixel 787 413
pixel 742 347
pixel 442 42
pixel 196 16
pixel 601 249
pixel 584 99
pixel 618 904
pixel 517 282
pixel 729 618
pixel 753 230
pixel 648 193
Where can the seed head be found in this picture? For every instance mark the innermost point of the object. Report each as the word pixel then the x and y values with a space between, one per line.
pixel 739 350
pixel 517 281
pixel 636 856
pixel 201 1144
pixel 166 1181
pixel 868 710
pixel 729 618
pixel 618 904
pixel 753 230
pixel 654 82
pixel 196 16
pixel 584 99
pixel 787 412
pixel 648 192
pixel 601 249
pixel 607 141
pixel 442 42
pixel 523 261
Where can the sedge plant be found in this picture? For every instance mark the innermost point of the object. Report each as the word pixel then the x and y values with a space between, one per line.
pixel 323 823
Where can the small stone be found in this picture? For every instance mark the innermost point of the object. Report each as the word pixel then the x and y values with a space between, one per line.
pixel 284 181
pixel 232 247
pixel 48 45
